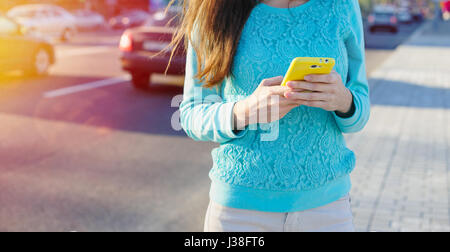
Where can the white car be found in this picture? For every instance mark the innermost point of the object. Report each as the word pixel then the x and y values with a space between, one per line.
pixel 49 20
pixel 405 17
pixel 128 19
pixel 86 19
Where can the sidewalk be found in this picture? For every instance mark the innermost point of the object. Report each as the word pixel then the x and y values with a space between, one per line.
pixel 401 182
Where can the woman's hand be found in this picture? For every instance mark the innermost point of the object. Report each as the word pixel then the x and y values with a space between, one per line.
pixel 267 104
pixel 323 91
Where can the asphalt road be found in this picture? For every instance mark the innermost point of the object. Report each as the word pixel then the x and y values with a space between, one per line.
pixel 381 44
pixel 82 150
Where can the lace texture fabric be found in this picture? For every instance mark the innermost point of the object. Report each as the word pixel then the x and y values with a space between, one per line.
pixel 310 150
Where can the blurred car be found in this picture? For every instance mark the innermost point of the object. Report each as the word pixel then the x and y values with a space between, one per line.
pixel 404 16
pixel 88 20
pixel 128 19
pixel 417 14
pixel 138 45
pixel 50 20
pixel 383 20
pixel 20 51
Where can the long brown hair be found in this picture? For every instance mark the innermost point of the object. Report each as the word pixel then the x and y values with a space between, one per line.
pixel 221 23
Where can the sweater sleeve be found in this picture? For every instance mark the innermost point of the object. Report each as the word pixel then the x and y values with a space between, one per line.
pixel 357 79
pixel 203 114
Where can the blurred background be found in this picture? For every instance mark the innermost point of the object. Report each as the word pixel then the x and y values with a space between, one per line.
pixel 86 141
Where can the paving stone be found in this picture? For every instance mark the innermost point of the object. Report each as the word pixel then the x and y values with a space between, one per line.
pixel 401 182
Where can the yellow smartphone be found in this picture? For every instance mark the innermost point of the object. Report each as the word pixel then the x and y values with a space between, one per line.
pixel 303 66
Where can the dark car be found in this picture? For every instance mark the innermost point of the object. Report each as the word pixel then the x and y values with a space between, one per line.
pixel 128 19
pixel 21 51
pixel 138 45
pixel 417 15
pixel 383 20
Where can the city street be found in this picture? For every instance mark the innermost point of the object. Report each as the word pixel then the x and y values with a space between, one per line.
pixel 82 150
pixel 380 45
pixel 104 159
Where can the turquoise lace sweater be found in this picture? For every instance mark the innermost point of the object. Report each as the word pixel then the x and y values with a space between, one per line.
pixel 301 161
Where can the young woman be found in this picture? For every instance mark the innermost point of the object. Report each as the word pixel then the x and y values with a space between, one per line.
pixel 238 51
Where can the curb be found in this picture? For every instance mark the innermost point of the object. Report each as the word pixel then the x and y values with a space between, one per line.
pixel 418 33
pixel 414 37
pixel 419 38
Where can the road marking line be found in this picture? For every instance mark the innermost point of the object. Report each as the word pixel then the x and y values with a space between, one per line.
pixel 85 87
pixel 83 51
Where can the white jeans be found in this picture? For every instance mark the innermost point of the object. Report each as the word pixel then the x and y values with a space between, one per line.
pixel 334 217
